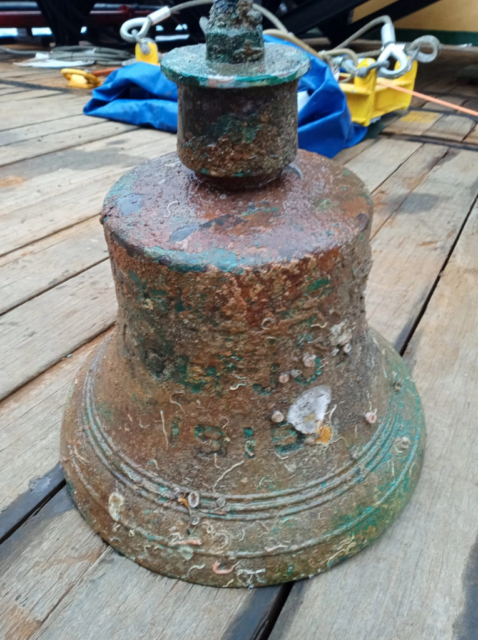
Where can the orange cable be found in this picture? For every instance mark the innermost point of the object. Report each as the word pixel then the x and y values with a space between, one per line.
pixel 103 72
pixel 390 85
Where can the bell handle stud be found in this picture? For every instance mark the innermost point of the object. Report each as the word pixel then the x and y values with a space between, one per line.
pixel 234 33
pixel 237 100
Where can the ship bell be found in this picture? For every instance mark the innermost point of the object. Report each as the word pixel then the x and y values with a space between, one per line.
pixel 242 426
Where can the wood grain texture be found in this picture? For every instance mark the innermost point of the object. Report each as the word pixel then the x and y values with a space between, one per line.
pixel 29 94
pixel 44 195
pixel 380 160
pixel 36 131
pixel 54 548
pixel 59 105
pixel 419 580
pixel 37 334
pixel 415 123
pixel 41 266
pixel 50 142
pixel 30 427
pixel 451 127
pixel 412 246
pixel 388 197
pixel 348 154
pixel 390 177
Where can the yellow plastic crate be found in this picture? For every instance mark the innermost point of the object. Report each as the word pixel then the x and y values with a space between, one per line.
pixel 368 100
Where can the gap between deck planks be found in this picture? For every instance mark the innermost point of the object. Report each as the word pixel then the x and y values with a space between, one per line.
pixel 78 601
pixel 35 77
pixel 95 129
pixel 35 335
pixel 37 132
pixel 10 99
pixel 29 423
pixel 434 124
pixel 40 266
pixel 55 107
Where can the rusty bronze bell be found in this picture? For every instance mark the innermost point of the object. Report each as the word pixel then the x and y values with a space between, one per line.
pixel 243 426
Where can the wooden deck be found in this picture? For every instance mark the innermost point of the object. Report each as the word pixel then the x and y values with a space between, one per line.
pixel 58 580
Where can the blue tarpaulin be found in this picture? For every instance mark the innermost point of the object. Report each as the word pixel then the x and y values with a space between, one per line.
pixel 140 94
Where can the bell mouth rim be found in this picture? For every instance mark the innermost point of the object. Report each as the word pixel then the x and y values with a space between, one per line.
pixel 324 548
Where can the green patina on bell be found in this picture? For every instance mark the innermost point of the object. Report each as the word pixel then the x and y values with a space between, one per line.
pixel 243 426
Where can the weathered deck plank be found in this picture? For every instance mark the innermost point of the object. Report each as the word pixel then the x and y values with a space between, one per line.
pixel 8 90
pixel 389 196
pixel 29 560
pixel 451 127
pixel 81 570
pixel 37 334
pixel 414 123
pixel 433 124
pixel 413 244
pixel 29 94
pixel 472 137
pixel 39 130
pixel 44 77
pixel 151 606
pixel 348 154
pixel 29 434
pixel 377 162
pixel 38 267
pixel 43 144
pixel 44 195
pixel 59 105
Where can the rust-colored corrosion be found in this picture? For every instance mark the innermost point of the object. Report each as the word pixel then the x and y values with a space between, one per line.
pixel 220 436
pixel 252 135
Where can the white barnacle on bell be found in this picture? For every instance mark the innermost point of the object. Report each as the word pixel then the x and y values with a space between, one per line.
pixel 308 411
